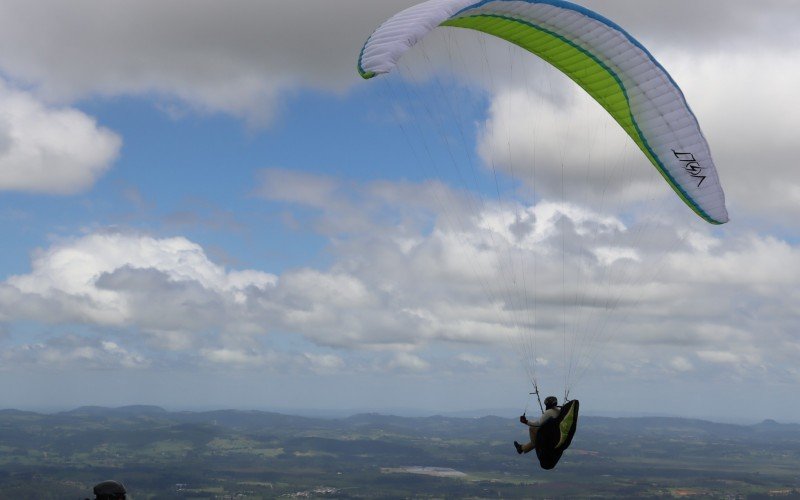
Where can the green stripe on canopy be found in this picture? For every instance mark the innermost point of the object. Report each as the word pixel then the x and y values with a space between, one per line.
pixel 597 79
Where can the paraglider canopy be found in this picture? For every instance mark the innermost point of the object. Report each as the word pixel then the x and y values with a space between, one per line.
pixel 607 62
pixel 555 435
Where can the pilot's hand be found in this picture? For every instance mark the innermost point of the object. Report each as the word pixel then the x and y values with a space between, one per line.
pixel 523 419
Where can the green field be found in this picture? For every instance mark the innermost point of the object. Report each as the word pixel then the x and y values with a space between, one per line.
pixel 234 454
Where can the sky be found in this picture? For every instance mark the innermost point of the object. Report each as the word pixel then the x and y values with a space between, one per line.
pixel 204 206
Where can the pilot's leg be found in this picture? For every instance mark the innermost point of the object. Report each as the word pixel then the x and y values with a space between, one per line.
pixel 532 433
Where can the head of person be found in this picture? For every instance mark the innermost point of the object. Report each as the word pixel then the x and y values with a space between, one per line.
pixel 109 490
pixel 550 402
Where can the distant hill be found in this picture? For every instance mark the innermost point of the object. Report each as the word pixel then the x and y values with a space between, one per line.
pixel 259 454
pixel 442 426
pixel 122 411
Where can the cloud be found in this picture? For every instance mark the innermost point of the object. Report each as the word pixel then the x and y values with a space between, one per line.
pixel 762 263
pixel 472 360
pixel 167 287
pixel 50 150
pixel 297 187
pixel 627 287
pixel 325 363
pixel 396 287
pixel 275 361
pixel 239 357
pixel 705 26
pixel 73 351
pixel 719 357
pixel 241 58
pixel 681 364
pixel 408 362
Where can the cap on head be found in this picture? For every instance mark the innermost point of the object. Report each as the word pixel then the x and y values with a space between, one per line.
pixel 109 490
pixel 550 402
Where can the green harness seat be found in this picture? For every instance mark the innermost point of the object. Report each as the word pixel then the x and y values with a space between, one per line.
pixel 555 435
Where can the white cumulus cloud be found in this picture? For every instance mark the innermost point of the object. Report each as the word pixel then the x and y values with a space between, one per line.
pixel 641 291
pixel 167 286
pixel 45 149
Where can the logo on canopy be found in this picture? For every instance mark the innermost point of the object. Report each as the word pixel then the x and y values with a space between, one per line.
pixel 691 165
